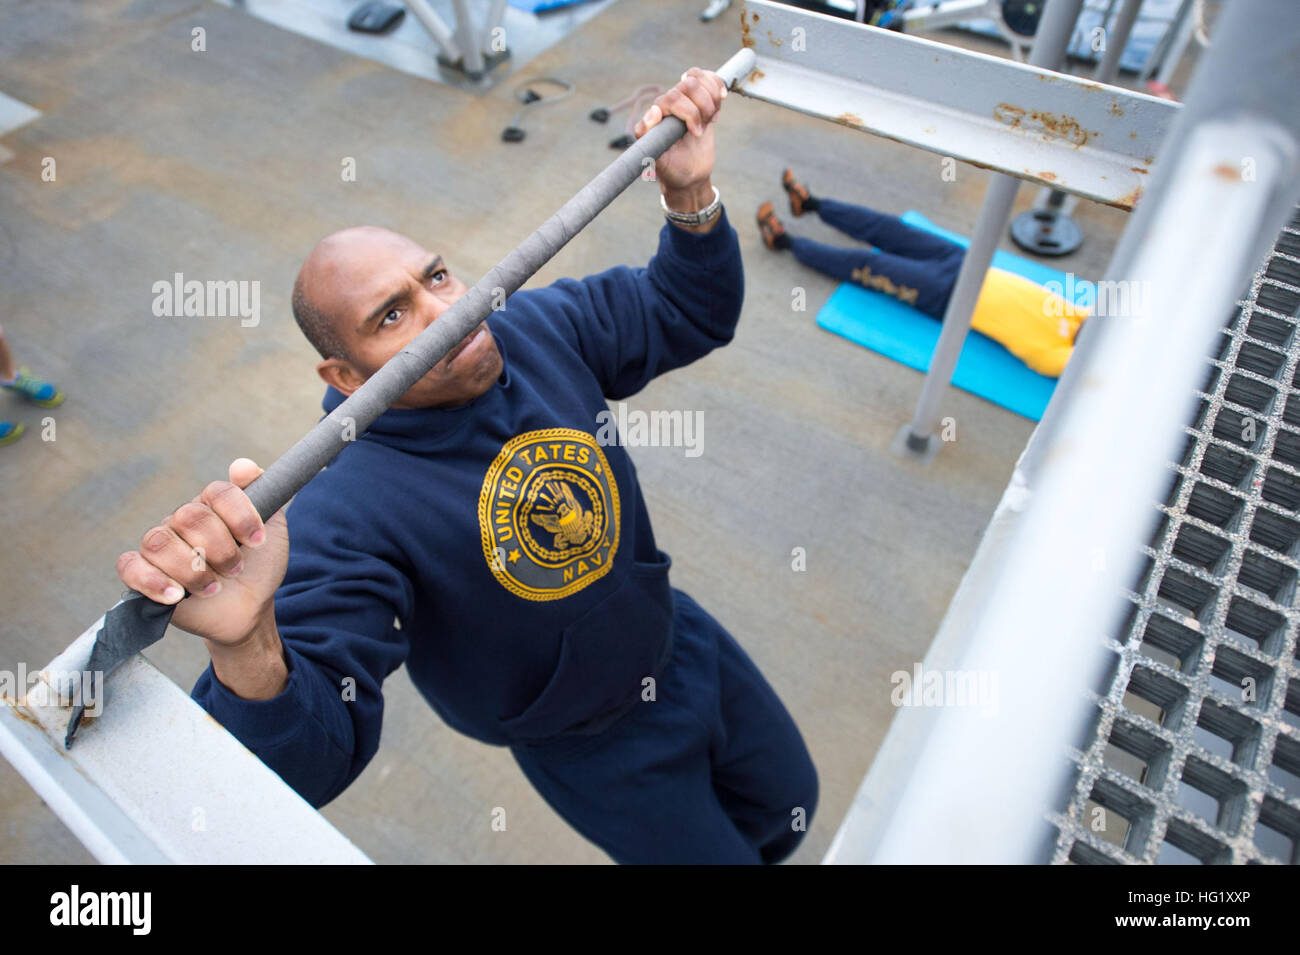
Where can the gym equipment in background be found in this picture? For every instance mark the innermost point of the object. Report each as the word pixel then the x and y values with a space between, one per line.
pixel 1016 21
pixel 642 99
pixel 524 92
pixel 375 16
pixel 473 51
pixel 541 6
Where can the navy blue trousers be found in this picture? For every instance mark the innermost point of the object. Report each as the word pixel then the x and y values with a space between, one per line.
pixel 713 770
pixel 911 264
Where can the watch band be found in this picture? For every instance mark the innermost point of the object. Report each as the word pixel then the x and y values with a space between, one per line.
pixel 707 214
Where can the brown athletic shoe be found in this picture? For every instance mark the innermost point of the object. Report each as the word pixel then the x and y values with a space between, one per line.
pixel 797 191
pixel 769 225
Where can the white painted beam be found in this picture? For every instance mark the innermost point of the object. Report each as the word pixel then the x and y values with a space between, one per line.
pixel 1063 131
pixel 155 779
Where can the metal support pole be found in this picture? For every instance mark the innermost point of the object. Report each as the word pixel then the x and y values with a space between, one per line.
pixel 495 15
pixel 1048 228
pixel 1175 54
pixel 470 42
pixel 466 48
pixel 1116 41
pixel 1163 48
pixel 918 439
pixel 437 28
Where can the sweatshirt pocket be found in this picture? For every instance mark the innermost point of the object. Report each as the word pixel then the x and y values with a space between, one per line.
pixel 604 655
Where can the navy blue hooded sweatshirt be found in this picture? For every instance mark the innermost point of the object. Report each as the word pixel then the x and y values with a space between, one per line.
pixel 498 549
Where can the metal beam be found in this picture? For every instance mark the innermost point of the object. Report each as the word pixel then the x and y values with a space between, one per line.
pixel 155 779
pixel 1061 131
pixel 437 27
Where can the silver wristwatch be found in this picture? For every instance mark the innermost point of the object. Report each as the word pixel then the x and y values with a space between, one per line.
pixel 707 214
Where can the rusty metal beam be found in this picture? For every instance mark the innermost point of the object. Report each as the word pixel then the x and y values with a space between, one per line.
pixel 1062 131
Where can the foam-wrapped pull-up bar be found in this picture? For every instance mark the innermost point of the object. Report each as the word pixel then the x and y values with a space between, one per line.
pixel 138 622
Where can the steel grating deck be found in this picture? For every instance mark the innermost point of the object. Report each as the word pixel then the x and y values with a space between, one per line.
pixel 1195 755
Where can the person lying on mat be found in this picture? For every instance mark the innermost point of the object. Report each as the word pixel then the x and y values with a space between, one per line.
pixel 485 534
pixel 920 268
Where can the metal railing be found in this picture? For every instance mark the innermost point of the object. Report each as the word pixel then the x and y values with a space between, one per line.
pixel 1046 589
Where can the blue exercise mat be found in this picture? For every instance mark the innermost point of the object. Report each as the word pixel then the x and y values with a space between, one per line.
pixel 984 367
pixel 541 6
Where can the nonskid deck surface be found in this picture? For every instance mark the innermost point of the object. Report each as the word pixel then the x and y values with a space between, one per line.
pixel 226 165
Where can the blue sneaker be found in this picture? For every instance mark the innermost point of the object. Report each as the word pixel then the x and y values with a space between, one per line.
pixel 10 432
pixel 34 389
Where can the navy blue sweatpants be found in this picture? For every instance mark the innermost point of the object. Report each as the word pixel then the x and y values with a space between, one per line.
pixel 912 260
pixel 713 770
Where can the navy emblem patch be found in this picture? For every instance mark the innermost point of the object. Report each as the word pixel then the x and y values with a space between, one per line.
pixel 549 514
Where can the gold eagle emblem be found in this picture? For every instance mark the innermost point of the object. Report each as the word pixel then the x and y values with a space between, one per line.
pixel 563 516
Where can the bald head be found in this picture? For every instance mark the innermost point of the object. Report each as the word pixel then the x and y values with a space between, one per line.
pixel 330 261
pixel 363 293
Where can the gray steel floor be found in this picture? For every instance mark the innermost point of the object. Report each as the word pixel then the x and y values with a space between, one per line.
pixel 225 164
pixel 1194 757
